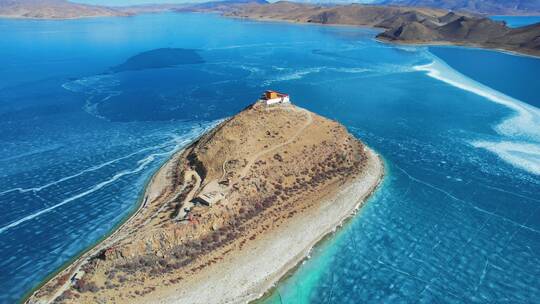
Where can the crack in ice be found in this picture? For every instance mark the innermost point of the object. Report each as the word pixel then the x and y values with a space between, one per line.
pixel 467 203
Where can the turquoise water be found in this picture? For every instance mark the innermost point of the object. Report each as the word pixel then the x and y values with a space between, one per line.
pixel 517 21
pixel 456 220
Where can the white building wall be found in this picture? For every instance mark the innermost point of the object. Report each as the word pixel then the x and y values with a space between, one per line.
pixel 278 100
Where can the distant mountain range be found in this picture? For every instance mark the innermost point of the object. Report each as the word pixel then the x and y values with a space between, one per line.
pixel 353 14
pixel 225 5
pixel 53 9
pixel 487 7
pixel 492 7
pixel 64 9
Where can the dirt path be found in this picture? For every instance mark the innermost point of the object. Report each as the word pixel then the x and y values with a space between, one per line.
pixel 187 202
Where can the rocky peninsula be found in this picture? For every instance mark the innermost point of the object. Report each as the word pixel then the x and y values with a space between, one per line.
pixel 224 219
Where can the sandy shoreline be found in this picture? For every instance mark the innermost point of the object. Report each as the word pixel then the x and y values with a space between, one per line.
pixel 247 275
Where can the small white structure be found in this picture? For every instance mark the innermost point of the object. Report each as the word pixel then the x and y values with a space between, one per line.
pixel 273 97
pixel 208 198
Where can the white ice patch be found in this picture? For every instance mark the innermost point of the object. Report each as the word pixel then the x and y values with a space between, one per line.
pixel 282 75
pixel 522 155
pixel 299 74
pixel 524 123
pixel 521 130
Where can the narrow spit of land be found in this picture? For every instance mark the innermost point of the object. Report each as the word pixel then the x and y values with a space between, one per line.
pixel 227 217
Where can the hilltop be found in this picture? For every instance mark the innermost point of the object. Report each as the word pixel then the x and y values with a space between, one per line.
pixel 229 215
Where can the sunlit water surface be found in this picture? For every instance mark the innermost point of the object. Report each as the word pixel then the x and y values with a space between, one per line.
pixel 456 219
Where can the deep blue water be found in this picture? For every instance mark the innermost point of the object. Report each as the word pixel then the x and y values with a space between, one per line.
pixel 517 21
pixel 456 220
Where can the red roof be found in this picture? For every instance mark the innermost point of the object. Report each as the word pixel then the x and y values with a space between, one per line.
pixel 279 93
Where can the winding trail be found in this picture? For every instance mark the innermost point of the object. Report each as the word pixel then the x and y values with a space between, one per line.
pixel 187 204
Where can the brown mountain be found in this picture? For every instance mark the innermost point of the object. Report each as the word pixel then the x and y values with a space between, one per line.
pixel 404 24
pixel 53 9
pixel 354 14
pixel 475 31
pixel 493 7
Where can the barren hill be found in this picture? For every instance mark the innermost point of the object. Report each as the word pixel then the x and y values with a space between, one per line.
pixel 464 30
pixel 52 9
pixel 492 7
pixel 229 215
pixel 354 14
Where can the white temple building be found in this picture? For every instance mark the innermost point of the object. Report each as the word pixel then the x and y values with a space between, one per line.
pixel 273 97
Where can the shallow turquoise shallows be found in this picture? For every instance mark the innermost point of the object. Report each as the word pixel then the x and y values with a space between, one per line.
pixel 83 127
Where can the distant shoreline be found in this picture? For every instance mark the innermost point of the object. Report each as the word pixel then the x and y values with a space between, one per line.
pixel 10 17
pixel 459 45
pixel 395 42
